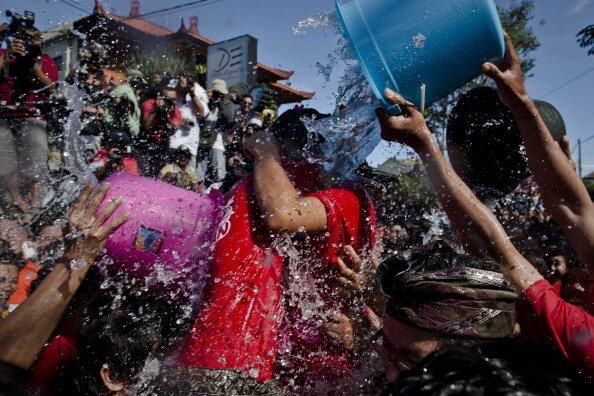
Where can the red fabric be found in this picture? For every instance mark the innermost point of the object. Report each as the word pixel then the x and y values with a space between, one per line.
pixel 9 91
pixel 350 221
pixel 148 106
pixel 25 279
pixel 58 357
pixel 129 163
pixel 238 327
pixel 544 317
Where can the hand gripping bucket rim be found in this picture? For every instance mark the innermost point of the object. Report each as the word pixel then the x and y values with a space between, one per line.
pixel 385 72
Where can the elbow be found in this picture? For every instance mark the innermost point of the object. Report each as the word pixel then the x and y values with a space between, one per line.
pixel 276 222
pixel 280 221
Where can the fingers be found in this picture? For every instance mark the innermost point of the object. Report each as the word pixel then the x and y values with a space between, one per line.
pixel 356 262
pixel 96 199
pixel 491 70
pixel 397 99
pixel 375 320
pixel 81 201
pixel 350 277
pixel 510 50
pixel 349 283
pixel 107 211
pixel 564 143
pixel 105 231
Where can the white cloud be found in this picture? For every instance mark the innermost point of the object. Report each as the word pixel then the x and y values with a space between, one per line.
pixel 578 6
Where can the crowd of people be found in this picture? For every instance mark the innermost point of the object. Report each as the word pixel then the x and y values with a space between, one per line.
pixel 305 293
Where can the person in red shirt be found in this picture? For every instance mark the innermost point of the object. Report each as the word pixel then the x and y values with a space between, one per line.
pixel 244 318
pixel 543 314
pixel 160 118
pixel 26 77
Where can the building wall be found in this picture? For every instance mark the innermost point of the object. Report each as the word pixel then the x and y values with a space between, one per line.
pixel 63 49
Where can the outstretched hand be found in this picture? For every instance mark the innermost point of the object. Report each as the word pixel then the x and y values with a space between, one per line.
pixel 88 233
pixel 409 128
pixel 508 76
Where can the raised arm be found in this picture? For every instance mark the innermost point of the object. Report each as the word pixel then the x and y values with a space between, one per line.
pixel 479 230
pixel 563 193
pixel 283 208
pixel 25 331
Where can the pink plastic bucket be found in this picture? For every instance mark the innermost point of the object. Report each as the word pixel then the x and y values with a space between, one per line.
pixel 170 233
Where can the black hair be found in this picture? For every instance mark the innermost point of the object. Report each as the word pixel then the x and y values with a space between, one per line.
pixel 503 367
pixel 123 338
pixel 482 130
pixel 289 128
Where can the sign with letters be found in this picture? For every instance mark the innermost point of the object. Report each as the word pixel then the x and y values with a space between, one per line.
pixel 233 61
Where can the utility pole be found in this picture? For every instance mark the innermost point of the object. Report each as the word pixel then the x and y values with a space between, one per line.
pixel 579 143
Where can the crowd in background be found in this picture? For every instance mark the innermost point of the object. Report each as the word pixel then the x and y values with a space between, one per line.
pixel 459 311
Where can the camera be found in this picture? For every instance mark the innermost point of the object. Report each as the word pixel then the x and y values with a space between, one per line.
pixel 20 27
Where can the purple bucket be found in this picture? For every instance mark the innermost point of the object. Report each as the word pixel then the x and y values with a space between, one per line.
pixel 170 233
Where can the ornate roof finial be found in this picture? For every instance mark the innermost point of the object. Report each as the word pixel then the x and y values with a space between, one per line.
pixel 134 9
pixel 182 26
pixel 193 24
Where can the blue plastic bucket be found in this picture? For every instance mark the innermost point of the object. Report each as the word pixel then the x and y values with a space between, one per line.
pixel 405 44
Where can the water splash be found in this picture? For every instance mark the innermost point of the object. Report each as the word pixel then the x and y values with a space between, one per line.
pixel 74 159
pixel 353 132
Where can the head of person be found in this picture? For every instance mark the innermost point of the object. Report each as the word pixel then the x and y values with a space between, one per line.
pixel 439 298
pixel 114 345
pixel 137 82
pixel 295 140
pixel 501 367
pixel 484 143
pixel 247 102
pixel 182 156
pixel 556 258
pixel 217 90
pixel 166 97
pixel 22 27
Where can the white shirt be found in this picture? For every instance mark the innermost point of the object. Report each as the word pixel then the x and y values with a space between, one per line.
pixel 188 133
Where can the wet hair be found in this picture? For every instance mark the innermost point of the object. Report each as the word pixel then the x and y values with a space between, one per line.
pixel 290 129
pixel 122 337
pixel 504 367
pixel 484 142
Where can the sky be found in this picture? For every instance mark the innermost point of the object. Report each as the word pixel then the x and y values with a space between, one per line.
pixel 559 60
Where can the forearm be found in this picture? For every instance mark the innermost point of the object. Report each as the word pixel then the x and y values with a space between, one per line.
pixel 43 78
pixel 25 331
pixel 561 188
pixel 477 227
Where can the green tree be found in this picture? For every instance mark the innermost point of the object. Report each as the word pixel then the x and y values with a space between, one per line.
pixel 586 39
pixel 516 22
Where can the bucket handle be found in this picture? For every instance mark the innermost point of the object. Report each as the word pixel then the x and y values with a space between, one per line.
pixel 423 89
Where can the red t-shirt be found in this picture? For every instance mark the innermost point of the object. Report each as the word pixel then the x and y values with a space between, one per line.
pixel 239 324
pixel 544 317
pixel 175 118
pixel 10 92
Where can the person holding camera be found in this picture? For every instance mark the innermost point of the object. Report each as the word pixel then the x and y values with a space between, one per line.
pixel 161 117
pixel 211 161
pixel 26 78
pixel 192 101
